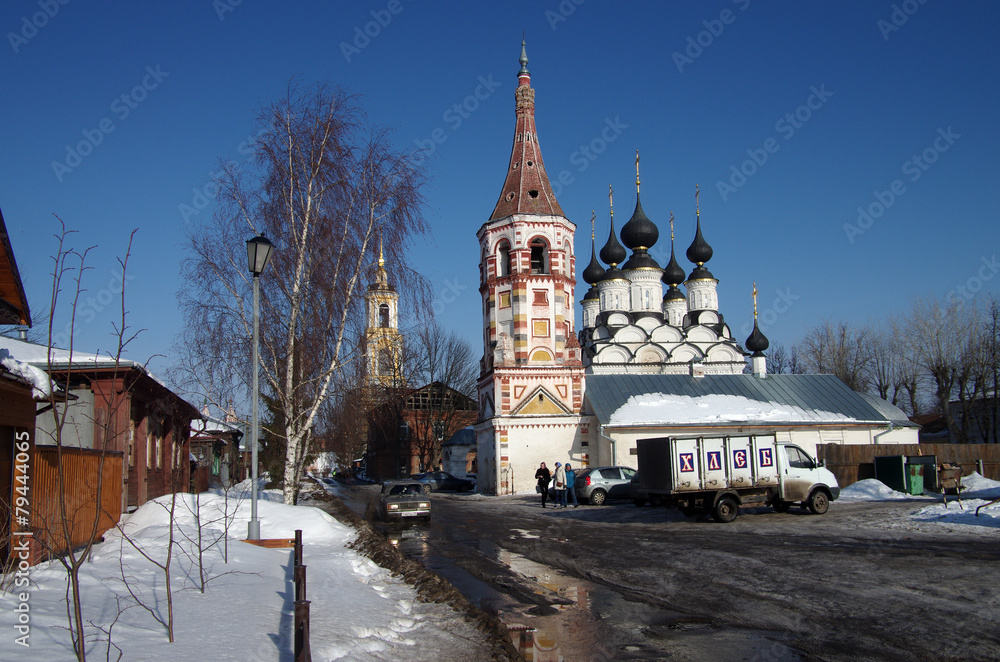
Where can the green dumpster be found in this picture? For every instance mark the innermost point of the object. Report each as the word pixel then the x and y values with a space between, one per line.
pixel 915 482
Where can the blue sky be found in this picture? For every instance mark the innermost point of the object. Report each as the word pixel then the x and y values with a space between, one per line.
pixel 824 107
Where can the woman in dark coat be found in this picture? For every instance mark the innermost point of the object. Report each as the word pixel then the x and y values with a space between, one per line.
pixel 543 477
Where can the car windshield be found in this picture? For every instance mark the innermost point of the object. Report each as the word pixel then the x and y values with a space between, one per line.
pixel 404 489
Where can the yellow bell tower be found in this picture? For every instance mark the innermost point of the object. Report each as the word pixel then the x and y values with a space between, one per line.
pixel 383 341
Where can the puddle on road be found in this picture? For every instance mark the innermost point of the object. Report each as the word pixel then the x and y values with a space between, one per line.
pixel 578 629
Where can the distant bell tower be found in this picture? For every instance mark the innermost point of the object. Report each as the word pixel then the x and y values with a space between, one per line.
pixel 531 368
pixel 383 341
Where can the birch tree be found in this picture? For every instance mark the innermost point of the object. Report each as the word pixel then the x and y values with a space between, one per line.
pixel 325 187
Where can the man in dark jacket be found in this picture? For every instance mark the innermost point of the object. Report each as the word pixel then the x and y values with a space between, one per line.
pixel 543 477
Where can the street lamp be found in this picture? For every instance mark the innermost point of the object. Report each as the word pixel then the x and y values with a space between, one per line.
pixel 258 252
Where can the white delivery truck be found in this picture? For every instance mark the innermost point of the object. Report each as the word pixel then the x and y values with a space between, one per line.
pixel 720 474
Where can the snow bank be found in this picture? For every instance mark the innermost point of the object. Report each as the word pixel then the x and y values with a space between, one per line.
pixel 871 489
pixel 359 611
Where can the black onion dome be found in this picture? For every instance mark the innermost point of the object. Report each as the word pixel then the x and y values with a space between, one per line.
pixel 639 232
pixel 674 294
pixel 672 273
pixel 699 251
pixel 594 271
pixel 614 273
pixel 613 253
pixel 700 273
pixel 641 260
pixel 592 294
pixel 757 342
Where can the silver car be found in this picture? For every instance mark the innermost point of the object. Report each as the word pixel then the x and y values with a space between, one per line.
pixel 597 484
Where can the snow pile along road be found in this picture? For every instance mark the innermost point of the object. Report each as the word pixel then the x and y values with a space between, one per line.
pixel 359 611
pixel 955 515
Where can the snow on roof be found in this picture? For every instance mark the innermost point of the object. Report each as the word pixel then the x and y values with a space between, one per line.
pixel 43 357
pixel 41 385
pixel 664 409
pixel 209 425
pixel 663 400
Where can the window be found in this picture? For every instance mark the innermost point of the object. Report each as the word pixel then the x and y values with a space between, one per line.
pixel 539 256
pixel 383 316
pixel 797 459
pixel 505 299
pixel 384 362
pixel 503 259
pixel 540 328
pixel 610 474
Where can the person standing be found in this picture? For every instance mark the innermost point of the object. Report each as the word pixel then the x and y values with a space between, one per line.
pixel 544 476
pixel 571 484
pixel 560 479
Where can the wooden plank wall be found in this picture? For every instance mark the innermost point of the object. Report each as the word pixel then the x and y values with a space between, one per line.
pixel 853 462
pixel 81 467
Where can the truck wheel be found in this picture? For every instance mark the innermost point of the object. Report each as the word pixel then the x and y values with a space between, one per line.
pixel 598 497
pixel 656 500
pixel 818 502
pixel 726 510
pixel 639 502
pixel 782 506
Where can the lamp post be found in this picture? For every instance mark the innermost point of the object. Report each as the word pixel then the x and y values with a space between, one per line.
pixel 258 252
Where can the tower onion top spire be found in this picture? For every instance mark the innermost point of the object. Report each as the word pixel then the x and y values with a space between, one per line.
pixel 673 274
pixel 639 232
pixel 594 271
pixel 526 190
pixel 757 342
pixel 699 251
pixel 613 253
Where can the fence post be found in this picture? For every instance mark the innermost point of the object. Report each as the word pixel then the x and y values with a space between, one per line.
pixel 302 652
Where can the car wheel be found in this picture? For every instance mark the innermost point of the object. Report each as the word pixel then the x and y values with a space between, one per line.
pixel 818 502
pixel 426 489
pixel 726 510
pixel 782 506
pixel 598 497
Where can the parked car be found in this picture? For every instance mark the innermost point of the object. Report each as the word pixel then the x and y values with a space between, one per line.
pixel 639 495
pixel 403 499
pixel 598 484
pixel 434 481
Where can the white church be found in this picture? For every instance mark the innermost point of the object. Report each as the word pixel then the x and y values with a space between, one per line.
pixel 645 363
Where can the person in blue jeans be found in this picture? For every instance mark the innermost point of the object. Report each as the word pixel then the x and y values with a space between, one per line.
pixel 560 480
pixel 570 484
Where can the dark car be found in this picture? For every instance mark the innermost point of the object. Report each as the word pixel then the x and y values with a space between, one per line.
pixel 442 480
pixel 641 497
pixel 404 499
pixel 598 484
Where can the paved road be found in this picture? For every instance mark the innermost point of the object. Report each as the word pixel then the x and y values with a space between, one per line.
pixel 769 586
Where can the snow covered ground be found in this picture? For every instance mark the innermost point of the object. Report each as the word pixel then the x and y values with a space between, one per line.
pixel 359 611
pixel 953 516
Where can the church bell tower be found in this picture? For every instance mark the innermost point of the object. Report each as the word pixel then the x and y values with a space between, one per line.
pixel 531 376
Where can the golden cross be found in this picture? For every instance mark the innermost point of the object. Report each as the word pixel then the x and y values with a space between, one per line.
pixel 611 200
pixel 755 301
pixel 593 216
pixel 636 171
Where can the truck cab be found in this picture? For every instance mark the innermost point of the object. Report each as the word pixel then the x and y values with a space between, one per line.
pixel 803 480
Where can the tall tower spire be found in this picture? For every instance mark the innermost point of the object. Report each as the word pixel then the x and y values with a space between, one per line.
pixel 527 189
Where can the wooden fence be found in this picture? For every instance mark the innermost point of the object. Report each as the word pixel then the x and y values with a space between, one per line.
pixel 853 462
pixel 83 504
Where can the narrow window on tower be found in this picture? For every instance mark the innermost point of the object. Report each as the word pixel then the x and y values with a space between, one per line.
pixel 383 316
pixel 539 256
pixel 503 259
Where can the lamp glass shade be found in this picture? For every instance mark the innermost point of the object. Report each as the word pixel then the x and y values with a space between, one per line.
pixel 258 252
